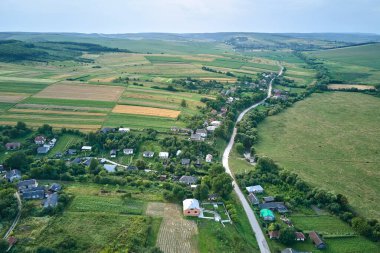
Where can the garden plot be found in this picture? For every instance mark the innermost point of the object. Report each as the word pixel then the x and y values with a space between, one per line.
pixel 176 234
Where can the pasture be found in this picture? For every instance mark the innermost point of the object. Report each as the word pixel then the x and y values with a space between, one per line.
pixel 353 65
pixel 331 141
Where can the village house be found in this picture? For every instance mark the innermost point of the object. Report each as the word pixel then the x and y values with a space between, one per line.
pixel 87 161
pixel 268 199
pixel 174 129
pixel 13 175
pixel 191 207
pixel 34 193
pixel 71 152
pixel 124 130
pixel 215 123
pixel 253 199
pixel 274 234
pixel 106 130
pixel 208 158
pixel 132 167
pixel 148 154
pixel 317 240
pixel 274 206
pixel 76 160
pixel 40 140
pixel 178 152
pixel 113 153
pixel 201 132
pixel 198 163
pixel 26 184
pixel 255 189
pixel 128 151
pixel 213 197
pixel 55 187
pixel 12 145
pixel 51 200
pixel 163 177
pixel 110 167
pixel 189 180
pixel 163 155
pixel 211 128
pixel 43 150
pixel 300 236
pixel 196 137
pixel 185 161
pixel 86 148
pixel 267 215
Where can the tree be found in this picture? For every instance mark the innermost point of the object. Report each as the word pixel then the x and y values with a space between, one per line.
pixel 183 103
pixel 93 166
pixel 266 164
pixel 360 225
pixel 222 185
pixel 240 148
pixel 3 245
pixel 287 235
pixel 202 191
pixel 17 160
pixel 215 170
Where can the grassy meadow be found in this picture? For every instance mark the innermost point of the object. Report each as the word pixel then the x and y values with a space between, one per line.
pixel 353 65
pixel 331 141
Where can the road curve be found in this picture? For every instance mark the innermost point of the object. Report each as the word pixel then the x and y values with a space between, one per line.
pixel 260 237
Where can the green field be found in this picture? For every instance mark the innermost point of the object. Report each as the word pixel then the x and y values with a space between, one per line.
pixel 330 140
pixel 358 64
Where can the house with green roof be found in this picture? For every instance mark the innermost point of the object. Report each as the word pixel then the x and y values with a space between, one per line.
pixel 267 215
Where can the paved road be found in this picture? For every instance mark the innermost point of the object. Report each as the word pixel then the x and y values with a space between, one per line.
pixel 14 224
pixel 260 237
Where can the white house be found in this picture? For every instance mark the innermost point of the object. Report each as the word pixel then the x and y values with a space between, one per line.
pixel 215 123
pixel 191 207
pixel 208 158
pixel 124 130
pixel 128 151
pixel 86 148
pixel 255 189
pixel 211 128
pixel 163 155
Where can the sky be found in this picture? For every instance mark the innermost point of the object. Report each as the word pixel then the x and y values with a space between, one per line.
pixel 190 16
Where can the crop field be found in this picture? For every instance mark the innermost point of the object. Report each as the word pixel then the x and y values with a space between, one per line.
pixel 176 233
pixel 330 140
pixel 149 111
pixel 6 97
pixel 350 86
pixel 82 92
pixel 323 224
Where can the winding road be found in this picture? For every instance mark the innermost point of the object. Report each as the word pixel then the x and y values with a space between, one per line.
pixel 260 237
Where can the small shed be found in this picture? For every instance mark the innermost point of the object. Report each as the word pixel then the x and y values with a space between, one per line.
pixel 148 154
pixel 113 153
pixel 110 167
pixel 163 155
pixel 208 158
pixel 51 200
pixel 12 145
pixel 128 151
pixel 185 161
pixel 86 148
pixel 253 199
pixel 255 189
pixel 268 199
pixel 300 236
pixel 317 240
pixel 274 234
